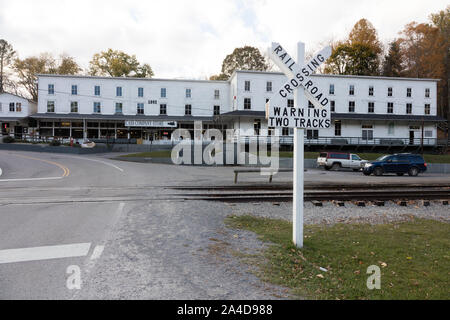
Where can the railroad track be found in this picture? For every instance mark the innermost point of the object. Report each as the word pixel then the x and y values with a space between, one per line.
pixel 334 193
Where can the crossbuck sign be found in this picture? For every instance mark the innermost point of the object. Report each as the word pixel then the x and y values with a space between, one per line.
pixel 281 113
pixel 278 110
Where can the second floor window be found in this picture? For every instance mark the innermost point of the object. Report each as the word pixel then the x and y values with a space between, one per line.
pixel 351 90
pixel 188 93
pixel 390 107
pixel 74 90
pixel 12 107
pixel 51 89
pixel 427 108
pixel 427 92
pixel 140 108
pixel 216 94
pixel 247 86
pixel 163 93
pixel 18 107
pixel 97 107
pixel 331 88
pixel 187 110
pixel 337 128
pixel 140 92
pixel 163 109
pixel 371 107
pixel 74 107
pixel 408 92
pixel 371 91
pixel 269 86
pixel 390 92
pixel 216 110
pixel 119 107
pixel 351 106
pixel 118 91
pixel 50 106
pixel 332 106
pixel 247 103
pixel 409 108
pixel 97 90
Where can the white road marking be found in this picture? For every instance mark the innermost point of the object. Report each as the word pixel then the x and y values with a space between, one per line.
pixel 44 253
pixel 30 179
pixel 100 161
pixel 1 172
pixel 98 250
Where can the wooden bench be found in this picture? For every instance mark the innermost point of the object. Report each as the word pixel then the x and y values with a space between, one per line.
pixel 268 170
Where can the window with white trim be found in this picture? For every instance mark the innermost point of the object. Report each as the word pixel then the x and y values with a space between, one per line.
pixel 390 107
pixel 351 90
pixel 247 85
pixel 247 103
pixel 408 108
pixel 51 89
pixel 408 92
pixel 74 106
pixel 269 86
pixel 140 108
pixel 351 106
pixel 371 107
pixel 427 92
pixel 427 108
pixel 50 106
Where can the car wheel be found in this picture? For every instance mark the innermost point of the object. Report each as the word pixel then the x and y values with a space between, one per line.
pixel 400 174
pixel 356 170
pixel 378 171
pixel 336 166
pixel 366 173
pixel 327 168
pixel 413 171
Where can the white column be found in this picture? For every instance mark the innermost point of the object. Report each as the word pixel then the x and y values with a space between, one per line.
pixel 297 204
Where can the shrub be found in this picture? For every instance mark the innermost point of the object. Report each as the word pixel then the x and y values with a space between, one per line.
pixel 55 143
pixel 8 139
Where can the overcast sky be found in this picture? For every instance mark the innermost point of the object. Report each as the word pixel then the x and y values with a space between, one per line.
pixel 190 39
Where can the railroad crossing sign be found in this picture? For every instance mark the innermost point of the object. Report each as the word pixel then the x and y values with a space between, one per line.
pixel 280 113
pixel 278 110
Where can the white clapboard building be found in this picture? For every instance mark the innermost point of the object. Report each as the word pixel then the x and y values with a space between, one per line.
pixel 365 110
pixel 14 113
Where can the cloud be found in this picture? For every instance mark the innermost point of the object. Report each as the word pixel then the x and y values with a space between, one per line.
pixel 191 38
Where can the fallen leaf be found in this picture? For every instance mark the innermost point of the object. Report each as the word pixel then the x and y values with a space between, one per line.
pixel 320 276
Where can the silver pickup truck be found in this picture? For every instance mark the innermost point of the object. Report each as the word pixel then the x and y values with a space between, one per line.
pixel 338 160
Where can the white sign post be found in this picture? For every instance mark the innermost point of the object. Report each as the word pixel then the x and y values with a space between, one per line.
pixel 298 116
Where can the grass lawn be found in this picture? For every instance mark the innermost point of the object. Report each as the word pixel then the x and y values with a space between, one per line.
pixel 431 158
pixel 152 154
pixel 414 258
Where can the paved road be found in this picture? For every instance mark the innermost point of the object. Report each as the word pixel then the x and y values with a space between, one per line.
pixel 154 248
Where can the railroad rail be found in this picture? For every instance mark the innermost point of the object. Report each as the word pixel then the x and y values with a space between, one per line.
pixel 283 193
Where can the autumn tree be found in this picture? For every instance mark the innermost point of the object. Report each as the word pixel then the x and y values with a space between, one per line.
pixel 115 63
pixel 441 20
pixel 392 64
pixel 28 69
pixel 359 54
pixel 245 58
pixel 7 54
pixel 364 32
pixel 352 59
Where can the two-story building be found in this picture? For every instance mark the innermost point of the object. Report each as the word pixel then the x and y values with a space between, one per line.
pixel 364 109
pixel 14 112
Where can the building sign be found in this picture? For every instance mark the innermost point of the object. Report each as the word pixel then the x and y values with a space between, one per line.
pixel 278 111
pixel 150 123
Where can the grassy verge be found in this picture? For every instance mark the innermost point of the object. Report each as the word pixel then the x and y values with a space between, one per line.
pixel 431 158
pixel 414 258
pixel 152 154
